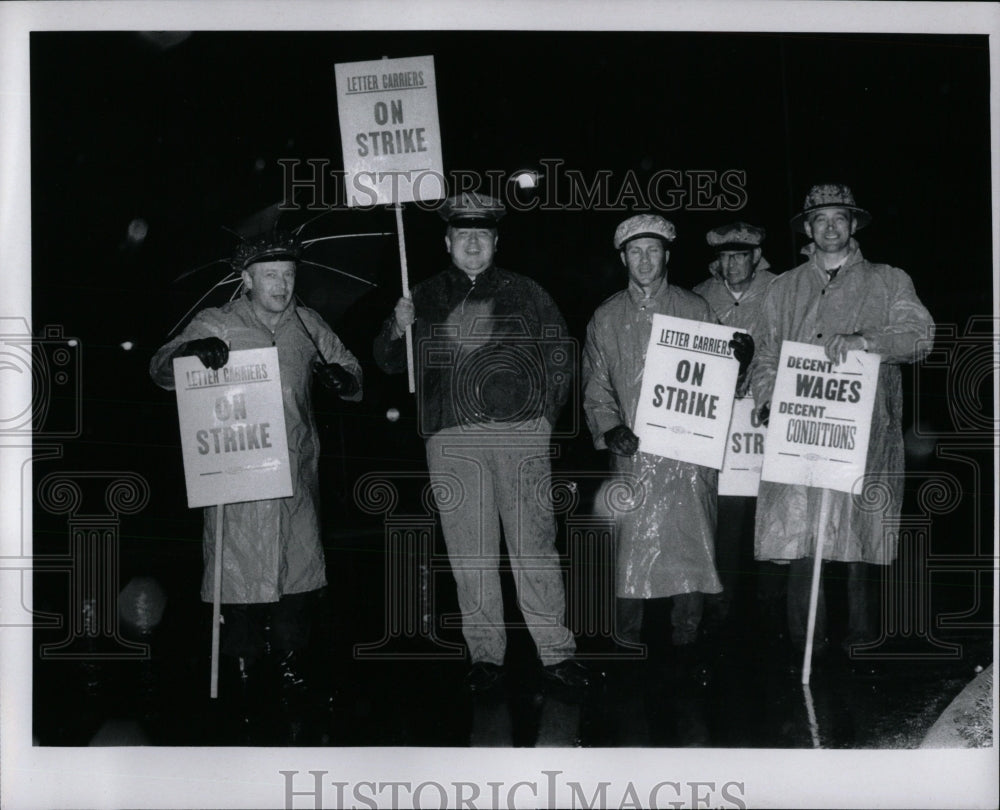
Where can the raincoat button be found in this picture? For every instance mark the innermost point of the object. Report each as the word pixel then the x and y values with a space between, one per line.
pixel 819 334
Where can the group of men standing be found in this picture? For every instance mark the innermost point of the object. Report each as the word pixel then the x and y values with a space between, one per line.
pixel 493 374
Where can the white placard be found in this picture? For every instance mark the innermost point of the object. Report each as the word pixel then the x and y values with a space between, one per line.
pixel 821 415
pixel 688 386
pixel 740 473
pixel 233 428
pixel 389 131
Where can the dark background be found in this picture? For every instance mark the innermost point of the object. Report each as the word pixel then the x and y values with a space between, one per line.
pixel 185 133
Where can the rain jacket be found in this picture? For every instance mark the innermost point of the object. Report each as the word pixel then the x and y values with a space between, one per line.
pixel 666 517
pixel 879 302
pixel 270 547
pixel 490 350
pixel 745 312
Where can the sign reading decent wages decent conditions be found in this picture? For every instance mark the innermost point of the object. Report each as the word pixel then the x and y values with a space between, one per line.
pixel 821 414
pixel 688 386
pixel 233 428
pixel 740 473
pixel 389 131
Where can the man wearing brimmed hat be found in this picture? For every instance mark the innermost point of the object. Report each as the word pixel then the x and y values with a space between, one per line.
pixel 739 278
pixel 665 543
pixel 273 557
pixel 839 300
pixel 494 367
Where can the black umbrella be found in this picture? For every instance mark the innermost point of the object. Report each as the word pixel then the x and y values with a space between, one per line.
pixel 338 264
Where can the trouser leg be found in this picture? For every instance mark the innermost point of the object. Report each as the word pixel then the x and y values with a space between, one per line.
pixel 472 536
pixel 290 622
pixel 242 634
pixel 522 477
pixel 628 619
pixel 731 529
pixel 685 617
pixel 862 602
pixel 800 574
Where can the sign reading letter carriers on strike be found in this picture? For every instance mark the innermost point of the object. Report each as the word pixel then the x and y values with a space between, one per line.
pixel 821 415
pixel 233 429
pixel 389 131
pixel 688 386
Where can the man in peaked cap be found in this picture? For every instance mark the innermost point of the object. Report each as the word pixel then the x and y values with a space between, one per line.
pixel 494 367
pixel 839 300
pixel 738 279
pixel 273 554
pixel 666 543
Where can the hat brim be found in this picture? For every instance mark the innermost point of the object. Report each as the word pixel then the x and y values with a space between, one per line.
pixel 862 217
pixel 659 236
pixel 275 256
pixel 736 246
pixel 472 222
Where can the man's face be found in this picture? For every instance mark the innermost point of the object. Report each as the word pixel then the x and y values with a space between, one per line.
pixel 737 266
pixel 471 249
pixel 646 260
pixel 271 284
pixel 831 229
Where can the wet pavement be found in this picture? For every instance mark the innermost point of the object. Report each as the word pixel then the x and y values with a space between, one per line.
pixel 742 691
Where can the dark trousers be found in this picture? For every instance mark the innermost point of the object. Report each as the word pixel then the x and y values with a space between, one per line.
pixel 862 580
pixel 248 631
pixel 733 548
pixel 685 616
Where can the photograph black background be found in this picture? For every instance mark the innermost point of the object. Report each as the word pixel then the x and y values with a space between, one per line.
pixel 183 134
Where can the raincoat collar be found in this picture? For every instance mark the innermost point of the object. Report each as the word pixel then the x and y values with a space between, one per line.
pixel 853 257
pixel 636 294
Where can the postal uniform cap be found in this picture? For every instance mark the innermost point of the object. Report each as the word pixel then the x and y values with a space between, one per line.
pixel 830 195
pixel 735 236
pixel 644 225
pixel 471 209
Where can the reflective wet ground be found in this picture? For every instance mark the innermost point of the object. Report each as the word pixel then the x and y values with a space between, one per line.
pixel 743 690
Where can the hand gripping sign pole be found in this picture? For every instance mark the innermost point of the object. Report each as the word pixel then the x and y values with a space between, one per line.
pixel 234 446
pixel 821 415
pixel 391 142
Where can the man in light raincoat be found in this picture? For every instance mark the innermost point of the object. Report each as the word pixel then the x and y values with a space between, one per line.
pixel 272 554
pixel 739 278
pixel 666 529
pixel 839 300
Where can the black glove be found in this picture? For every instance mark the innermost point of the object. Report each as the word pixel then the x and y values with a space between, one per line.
pixel 742 346
pixel 212 351
pixel 337 378
pixel 764 414
pixel 621 441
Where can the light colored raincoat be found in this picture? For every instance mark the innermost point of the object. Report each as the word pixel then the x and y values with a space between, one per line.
pixel 270 547
pixel 745 312
pixel 879 302
pixel 666 533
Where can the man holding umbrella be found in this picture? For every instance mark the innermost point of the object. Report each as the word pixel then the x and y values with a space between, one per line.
pixel 273 556
pixel 841 301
